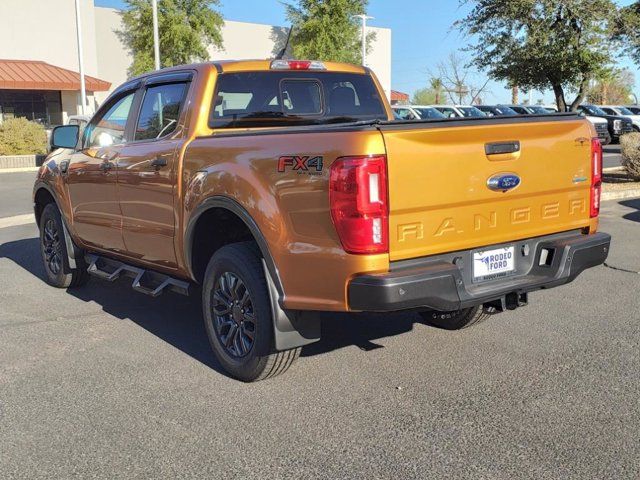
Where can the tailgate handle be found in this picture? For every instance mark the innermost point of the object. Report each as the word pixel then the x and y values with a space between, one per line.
pixel 502 147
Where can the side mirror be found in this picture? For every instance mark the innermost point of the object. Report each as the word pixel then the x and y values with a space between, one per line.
pixel 65 136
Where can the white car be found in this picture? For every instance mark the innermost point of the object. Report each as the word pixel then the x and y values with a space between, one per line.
pixel 415 112
pixel 459 111
pixel 621 111
pixel 602 128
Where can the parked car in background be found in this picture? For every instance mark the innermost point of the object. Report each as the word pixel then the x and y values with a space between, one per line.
pixel 602 128
pixel 620 111
pixel 617 125
pixel 634 108
pixel 496 111
pixel 425 112
pixel 528 109
pixel 459 111
pixel 404 112
pixel 80 120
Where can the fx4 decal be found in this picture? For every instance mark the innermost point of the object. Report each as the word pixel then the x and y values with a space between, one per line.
pixel 302 165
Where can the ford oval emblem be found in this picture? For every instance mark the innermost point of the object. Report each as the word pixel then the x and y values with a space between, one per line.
pixel 503 182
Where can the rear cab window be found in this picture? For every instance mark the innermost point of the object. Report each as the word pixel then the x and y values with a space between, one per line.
pixel 286 98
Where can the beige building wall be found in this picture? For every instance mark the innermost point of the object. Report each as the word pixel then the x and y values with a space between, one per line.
pixel 113 59
pixel 46 30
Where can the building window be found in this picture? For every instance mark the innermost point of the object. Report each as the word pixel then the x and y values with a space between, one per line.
pixel 41 106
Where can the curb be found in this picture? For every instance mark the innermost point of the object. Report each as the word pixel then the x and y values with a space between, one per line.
pixel 620 194
pixel 19 169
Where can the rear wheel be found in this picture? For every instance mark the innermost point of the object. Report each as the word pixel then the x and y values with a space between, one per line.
pixel 455 320
pixel 237 315
pixel 53 248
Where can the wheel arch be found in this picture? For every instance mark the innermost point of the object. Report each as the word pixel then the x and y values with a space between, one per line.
pixel 227 204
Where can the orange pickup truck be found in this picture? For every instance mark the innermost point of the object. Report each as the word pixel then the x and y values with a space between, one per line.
pixel 285 188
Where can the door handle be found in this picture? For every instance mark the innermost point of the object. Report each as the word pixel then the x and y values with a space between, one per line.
pixel 159 162
pixel 106 166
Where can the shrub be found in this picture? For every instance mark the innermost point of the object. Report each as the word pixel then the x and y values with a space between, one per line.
pixel 630 144
pixel 19 136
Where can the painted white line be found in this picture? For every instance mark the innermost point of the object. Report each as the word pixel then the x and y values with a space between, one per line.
pixel 621 194
pixel 17 220
pixel 19 169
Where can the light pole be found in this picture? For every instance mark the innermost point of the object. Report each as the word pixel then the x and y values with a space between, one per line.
pixel 364 19
pixel 156 40
pixel 83 92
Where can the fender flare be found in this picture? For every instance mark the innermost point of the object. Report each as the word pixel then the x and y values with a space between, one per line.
pixel 291 329
pixel 219 201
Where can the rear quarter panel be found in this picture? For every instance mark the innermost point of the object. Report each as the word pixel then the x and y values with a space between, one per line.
pixel 291 208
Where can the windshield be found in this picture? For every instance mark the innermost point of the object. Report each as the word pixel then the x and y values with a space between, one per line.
pixel 429 113
pixel 471 112
pixel 538 109
pixel 506 111
pixel 592 110
pixel 625 111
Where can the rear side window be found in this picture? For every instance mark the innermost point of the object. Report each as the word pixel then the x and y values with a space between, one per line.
pixel 269 99
pixel 160 111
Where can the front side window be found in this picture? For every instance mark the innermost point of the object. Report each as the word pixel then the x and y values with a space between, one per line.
pixel 109 129
pixel 609 111
pixel 403 113
pixel 429 113
pixel 160 111
pixel 448 112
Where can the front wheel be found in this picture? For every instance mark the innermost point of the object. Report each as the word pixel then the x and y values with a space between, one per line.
pixel 455 320
pixel 237 315
pixel 54 252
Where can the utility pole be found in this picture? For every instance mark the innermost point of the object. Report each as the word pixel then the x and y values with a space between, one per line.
pixel 83 91
pixel 364 19
pixel 156 40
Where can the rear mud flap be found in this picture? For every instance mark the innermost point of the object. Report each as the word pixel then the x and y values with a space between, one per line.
pixel 291 329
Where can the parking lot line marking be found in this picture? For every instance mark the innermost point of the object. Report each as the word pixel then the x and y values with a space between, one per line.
pixel 17 220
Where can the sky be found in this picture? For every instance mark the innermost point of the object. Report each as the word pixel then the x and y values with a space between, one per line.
pixel 422 37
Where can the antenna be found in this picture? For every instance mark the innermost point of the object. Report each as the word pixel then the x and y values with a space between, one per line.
pixel 286 45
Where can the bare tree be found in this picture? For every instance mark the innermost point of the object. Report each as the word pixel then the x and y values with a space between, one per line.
pixel 454 74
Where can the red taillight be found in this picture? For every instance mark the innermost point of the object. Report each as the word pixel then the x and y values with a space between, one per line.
pixel 596 176
pixel 359 206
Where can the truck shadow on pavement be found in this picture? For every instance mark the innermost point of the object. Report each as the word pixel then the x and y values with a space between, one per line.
pixel 633 216
pixel 178 321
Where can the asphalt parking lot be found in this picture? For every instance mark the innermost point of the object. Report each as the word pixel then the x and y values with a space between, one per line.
pixel 105 382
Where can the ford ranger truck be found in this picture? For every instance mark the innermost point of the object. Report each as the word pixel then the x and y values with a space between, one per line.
pixel 280 189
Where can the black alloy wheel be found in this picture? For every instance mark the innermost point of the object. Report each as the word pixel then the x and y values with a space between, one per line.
pixel 234 316
pixel 51 247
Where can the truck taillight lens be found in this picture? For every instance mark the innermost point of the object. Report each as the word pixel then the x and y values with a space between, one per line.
pixel 359 206
pixel 596 176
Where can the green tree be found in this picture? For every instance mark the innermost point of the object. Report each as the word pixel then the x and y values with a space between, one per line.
pixel 539 44
pixel 612 86
pixel 185 28
pixel 327 29
pixel 424 96
pixel 627 30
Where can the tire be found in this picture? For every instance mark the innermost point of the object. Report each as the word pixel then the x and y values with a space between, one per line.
pixel 236 307
pixel 53 249
pixel 455 320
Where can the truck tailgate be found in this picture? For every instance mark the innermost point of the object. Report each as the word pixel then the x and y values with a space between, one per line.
pixel 438 173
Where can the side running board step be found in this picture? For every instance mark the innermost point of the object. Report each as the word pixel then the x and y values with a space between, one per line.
pixel 144 281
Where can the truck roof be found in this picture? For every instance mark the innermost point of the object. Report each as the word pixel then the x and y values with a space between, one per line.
pixel 251 65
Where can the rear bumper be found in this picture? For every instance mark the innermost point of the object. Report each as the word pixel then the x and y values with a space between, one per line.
pixel 445 282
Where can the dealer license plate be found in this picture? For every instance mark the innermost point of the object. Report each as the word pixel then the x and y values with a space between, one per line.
pixel 493 263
